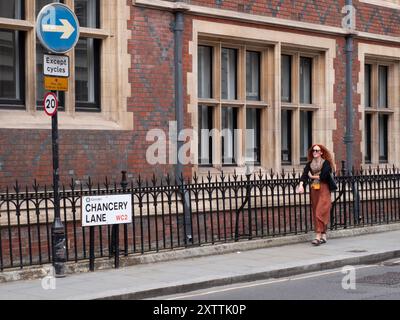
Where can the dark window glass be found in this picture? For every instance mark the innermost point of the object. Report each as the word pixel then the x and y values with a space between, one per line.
pixel 305 80
pixel 229 138
pixel 383 87
pixel 41 3
pixel 205 126
pixel 229 74
pixel 383 138
pixel 253 75
pixel 253 145
pixel 11 9
pixel 204 71
pixel 12 82
pixel 88 13
pixel 305 133
pixel 286 78
pixel 367 86
pixel 368 138
pixel 87 75
pixel 286 136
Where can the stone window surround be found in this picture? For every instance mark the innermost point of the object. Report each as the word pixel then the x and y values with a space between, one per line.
pixel 392 4
pixel 114 86
pixel 388 56
pixel 324 122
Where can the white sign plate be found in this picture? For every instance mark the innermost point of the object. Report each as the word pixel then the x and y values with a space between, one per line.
pixel 103 210
pixel 55 66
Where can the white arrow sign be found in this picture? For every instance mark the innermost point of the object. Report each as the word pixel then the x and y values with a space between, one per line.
pixel 67 29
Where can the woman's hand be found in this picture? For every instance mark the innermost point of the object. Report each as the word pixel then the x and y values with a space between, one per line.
pixel 300 189
pixel 313 177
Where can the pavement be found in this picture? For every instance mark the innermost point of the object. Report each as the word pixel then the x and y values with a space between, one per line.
pixel 209 266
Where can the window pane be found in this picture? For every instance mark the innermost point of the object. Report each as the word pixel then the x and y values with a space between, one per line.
pixel 253 135
pixel 87 76
pixel 11 9
pixel 205 126
pixel 252 75
pixel 367 86
pixel 305 133
pixel 383 89
pixel 87 12
pixel 228 73
pixel 229 139
pixel 12 71
pixel 305 80
pixel 41 3
pixel 368 137
pixel 286 78
pixel 204 71
pixel 286 136
pixel 383 138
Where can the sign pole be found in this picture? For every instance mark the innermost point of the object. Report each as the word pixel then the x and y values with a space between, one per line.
pixel 57 29
pixel 57 229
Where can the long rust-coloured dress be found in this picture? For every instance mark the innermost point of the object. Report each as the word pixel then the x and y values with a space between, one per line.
pixel 321 206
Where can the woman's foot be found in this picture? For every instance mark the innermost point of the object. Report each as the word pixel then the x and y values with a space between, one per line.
pixel 317 240
pixel 323 238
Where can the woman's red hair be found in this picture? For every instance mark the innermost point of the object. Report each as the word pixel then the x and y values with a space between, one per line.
pixel 326 154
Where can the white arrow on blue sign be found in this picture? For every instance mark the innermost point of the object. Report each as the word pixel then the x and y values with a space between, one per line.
pixel 57 28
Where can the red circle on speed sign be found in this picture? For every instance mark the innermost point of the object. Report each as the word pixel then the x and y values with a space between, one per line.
pixel 50 103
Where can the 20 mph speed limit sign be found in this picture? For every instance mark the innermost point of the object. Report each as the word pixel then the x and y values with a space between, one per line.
pixel 50 104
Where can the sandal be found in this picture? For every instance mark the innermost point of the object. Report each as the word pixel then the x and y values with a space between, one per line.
pixel 323 238
pixel 322 241
pixel 316 242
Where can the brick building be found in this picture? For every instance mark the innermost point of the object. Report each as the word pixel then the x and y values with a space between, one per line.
pixel 276 67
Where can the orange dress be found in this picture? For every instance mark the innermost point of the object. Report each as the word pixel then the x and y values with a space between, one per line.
pixel 321 207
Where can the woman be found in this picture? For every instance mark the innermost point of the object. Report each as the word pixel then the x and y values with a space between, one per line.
pixel 318 169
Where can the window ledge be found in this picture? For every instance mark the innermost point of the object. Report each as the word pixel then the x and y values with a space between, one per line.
pixel 12 119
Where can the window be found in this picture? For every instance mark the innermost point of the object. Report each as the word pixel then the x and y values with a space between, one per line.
pixel 229 138
pixel 297 106
pixel 377 111
pixel 205 72
pixel 88 13
pixel 12 49
pixel 228 73
pixel 12 81
pixel 286 137
pixel 305 80
pixel 87 75
pixel 253 75
pixel 11 9
pixel 305 134
pixel 205 125
pixel 230 103
pixel 286 78
pixel 383 138
pixel 368 138
pixel 253 150
pixel 383 87
pixel 367 86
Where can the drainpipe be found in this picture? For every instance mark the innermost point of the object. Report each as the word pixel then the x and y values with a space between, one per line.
pixel 348 138
pixel 179 112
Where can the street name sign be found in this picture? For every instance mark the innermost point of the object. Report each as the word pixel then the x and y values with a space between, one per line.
pixel 55 66
pixel 103 210
pixel 50 103
pixel 57 28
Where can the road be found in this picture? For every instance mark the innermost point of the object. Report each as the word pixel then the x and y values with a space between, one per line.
pixel 372 282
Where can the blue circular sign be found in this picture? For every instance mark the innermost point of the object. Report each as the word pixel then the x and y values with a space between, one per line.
pixel 57 28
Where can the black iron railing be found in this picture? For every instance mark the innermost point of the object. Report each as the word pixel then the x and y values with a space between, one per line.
pixel 222 209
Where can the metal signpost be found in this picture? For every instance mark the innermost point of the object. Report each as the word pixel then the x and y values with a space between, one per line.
pixel 57 28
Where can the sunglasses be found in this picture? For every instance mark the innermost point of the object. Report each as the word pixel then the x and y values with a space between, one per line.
pixel 316 150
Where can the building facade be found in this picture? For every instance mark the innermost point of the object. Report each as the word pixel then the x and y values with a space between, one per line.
pixel 262 81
